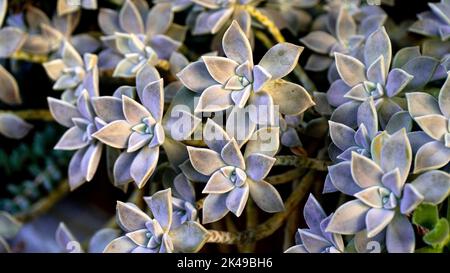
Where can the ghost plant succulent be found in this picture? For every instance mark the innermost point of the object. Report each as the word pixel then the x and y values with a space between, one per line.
pixel 137 36
pixel 234 80
pixel 72 74
pixel 316 239
pixel 360 81
pixel 383 198
pixel 343 34
pixel 155 235
pixel 140 131
pixel 435 22
pixel 433 117
pixel 82 121
pixel 232 176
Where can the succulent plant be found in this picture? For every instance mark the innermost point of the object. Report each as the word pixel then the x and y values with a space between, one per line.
pixel 9 227
pixel 140 130
pixel 64 7
pixel 44 35
pixel 137 36
pixel 183 200
pixel 372 78
pixel 177 5
pixel 72 74
pixel 236 81
pixel 83 121
pixel 12 126
pixel 288 130
pixel 383 199
pixel 433 117
pixel 69 244
pixel 315 238
pixel 157 235
pixel 342 34
pixel 435 22
pixel 232 176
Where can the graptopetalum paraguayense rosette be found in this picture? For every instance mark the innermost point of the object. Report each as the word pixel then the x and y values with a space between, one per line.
pixel 158 234
pixel 137 36
pixel 177 121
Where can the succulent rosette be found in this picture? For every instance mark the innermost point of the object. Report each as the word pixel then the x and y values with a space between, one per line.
pixel 233 176
pixel 433 117
pixel 315 238
pixel 435 22
pixel 383 198
pixel 137 35
pixel 155 235
pixel 225 82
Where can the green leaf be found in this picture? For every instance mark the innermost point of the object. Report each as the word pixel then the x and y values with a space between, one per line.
pixel 439 234
pixel 426 215
pixel 429 249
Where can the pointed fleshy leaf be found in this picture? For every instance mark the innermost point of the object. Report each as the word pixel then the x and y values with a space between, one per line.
pixel 221 69
pixel 378 44
pixel 341 135
pixel 236 45
pixel 189 237
pixel 291 98
pixel 237 199
pixel 122 166
pixel 130 218
pixel 159 19
pixel 400 236
pixel 214 99
pixel 232 156
pixel 365 172
pixel 432 155
pixel 11 39
pixel 341 178
pixel 9 90
pixel 376 72
pixel 281 59
pixel 410 200
pixel 120 245
pixel 205 161
pixel 108 108
pixel 349 218
pixel 444 98
pixel 153 99
pixel 313 213
pixel 214 208
pixel 397 80
pixel 265 196
pixel 433 185
pixel 160 204
pixel 115 134
pixel 144 165
pixel 258 166
pixel 377 219
pixel 218 184
pixel 319 41
pixel 130 19
pixel 351 70
pixel 13 126
pixel 396 153
pixel 434 125
pixel 73 139
pixel 393 181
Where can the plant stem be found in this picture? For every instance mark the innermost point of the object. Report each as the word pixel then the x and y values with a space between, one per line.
pixel 44 204
pixel 286 177
pixel 28 57
pixel 303 162
pixel 265 21
pixel 32 114
pixel 271 225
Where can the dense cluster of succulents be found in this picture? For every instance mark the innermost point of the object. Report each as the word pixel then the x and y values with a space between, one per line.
pixel 180 121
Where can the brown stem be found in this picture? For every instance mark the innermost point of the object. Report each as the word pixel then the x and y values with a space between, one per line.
pixel 32 114
pixel 271 225
pixel 286 177
pixel 303 162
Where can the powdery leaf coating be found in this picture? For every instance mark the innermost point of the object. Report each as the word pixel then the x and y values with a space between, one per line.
pixel 157 235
